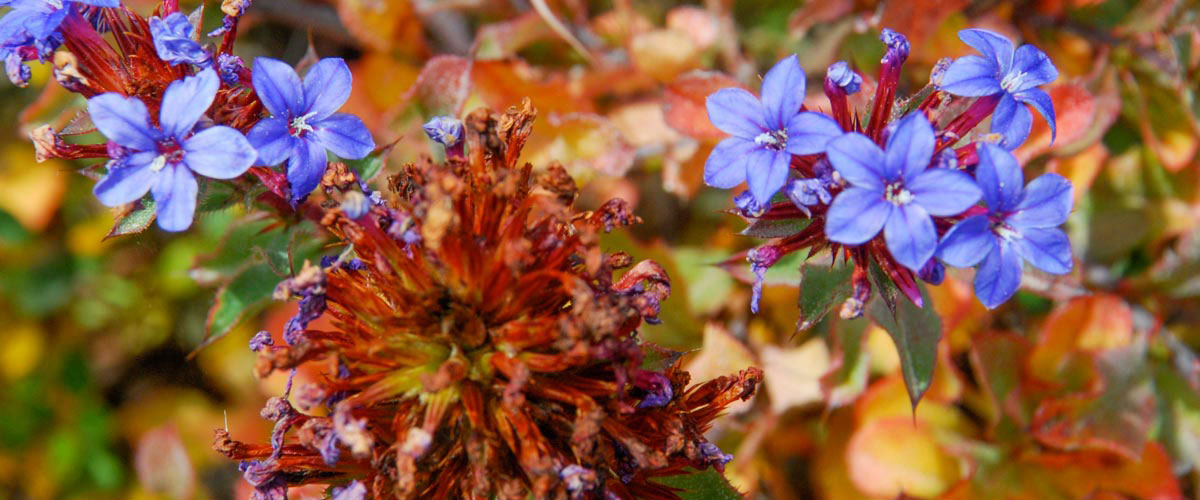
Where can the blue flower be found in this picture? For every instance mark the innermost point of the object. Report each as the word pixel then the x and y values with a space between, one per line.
pixel 29 30
pixel 174 40
pixel 164 159
pixel 444 130
pixel 840 74
pixel 766 133
pixel 303 123
pixel 805 193
pixel 1021 223
pixel 1015 75
pixel 894 190
pixel 745 204
pixel 229 67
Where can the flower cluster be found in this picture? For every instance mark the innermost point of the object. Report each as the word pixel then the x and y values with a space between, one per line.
pixel 173 108
pixel 902 190
pixel 482 346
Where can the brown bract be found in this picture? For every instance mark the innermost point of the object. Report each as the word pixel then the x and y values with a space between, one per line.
pixel 485 348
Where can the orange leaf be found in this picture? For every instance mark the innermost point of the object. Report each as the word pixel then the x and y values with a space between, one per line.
pixel 684 98
pixel 1083 325
pixel 383 24
pixel 442 86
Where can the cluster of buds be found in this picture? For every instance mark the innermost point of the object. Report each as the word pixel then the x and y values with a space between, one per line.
pixel 179 114
pixel 483 346
pixel 900 188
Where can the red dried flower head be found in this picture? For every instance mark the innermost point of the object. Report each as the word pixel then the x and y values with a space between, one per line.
pixel 483 347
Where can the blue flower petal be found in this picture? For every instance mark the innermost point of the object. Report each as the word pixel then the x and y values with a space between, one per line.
pixel 1047 249
pixel 1040 101
pixel 278 87
pixel 911 237
pixel 736 112
pixel 173 40
pixel 1011 120
pixel 218 152
pixel 766 172
pixel 1045 203
pixel 944 192
pixel 271 139
pixel 1000 177
pixel 968 242
pixel 326 87
pixel 1033 68
pixel 999 276
pixel 909 148
pixel 175 197
pixel 856 216
pixel 305 167
pixel 100 3
pixel 726 166
pixel 186 100
pixel 808 133
pixel 783 92
pixel 345 135
pixel 123 120
pixel 992 45
pixel 125 183
pixel 858 160
pixel 971 76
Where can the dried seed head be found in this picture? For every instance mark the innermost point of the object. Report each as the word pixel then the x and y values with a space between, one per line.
pixel 493 356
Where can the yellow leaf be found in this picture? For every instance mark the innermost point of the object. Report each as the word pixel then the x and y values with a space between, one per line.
pixel 31 191
pixel 21 350
pixel 894 456
pixel 793 375
pixel 721 355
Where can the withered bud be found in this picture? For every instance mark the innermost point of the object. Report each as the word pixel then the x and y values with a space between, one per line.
pixel 45 142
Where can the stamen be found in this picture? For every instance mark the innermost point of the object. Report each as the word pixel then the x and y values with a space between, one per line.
pixel 159 163
pixel 300 124
pixel 1012 80
pixel 776 140
pixel 897 195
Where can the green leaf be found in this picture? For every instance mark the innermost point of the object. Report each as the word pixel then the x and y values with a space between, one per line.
pixel 244 295
pixel 11 231
pixel 134 221
pixel 658 358
pixel 370 166
pixel 822 287
pixel 915 331
pixel 775 228
pixel 215 196
pixel 850 368
pixel 707 484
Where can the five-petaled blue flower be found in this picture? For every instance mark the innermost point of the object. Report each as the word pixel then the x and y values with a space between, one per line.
pixel 1013 74
pixel 765 133
pixel 896 191
pixel 174 40
pixel 1021 223
pixel 164 159
pixel 304 125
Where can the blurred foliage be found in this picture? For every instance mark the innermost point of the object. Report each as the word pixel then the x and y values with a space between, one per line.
pixel 1084 386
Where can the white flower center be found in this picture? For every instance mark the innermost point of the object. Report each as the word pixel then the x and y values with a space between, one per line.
pixel 776 140
pixel 1005 232
pixel 159 163
pixel 300 124
pixel 897 195
pixel 1012 81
